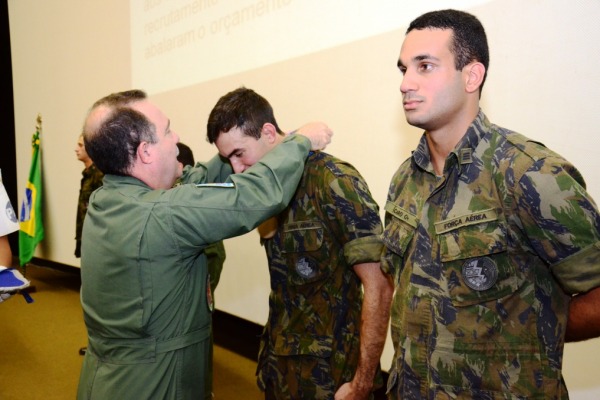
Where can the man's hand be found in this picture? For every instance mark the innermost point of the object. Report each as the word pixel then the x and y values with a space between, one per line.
pixel 348 391
pixel 318 133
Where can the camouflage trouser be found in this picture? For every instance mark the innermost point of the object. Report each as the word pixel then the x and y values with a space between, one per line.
pixel 296 377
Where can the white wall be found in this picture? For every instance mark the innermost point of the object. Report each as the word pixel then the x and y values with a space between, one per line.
pixel 544 81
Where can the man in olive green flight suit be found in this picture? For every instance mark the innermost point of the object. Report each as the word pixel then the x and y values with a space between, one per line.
pixel 144 288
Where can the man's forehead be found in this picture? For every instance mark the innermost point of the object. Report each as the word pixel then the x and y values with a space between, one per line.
pixel 152 113
pixel 225 142
pixel 232 141
pixel 423 42
pixel 142 106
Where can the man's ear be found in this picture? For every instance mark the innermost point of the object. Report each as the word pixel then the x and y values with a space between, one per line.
pixel 269 132
pixel 474 74
pixel 145 152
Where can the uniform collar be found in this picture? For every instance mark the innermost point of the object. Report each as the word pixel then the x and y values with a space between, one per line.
pixel 89 170
pixel 462 154
pixel 120 180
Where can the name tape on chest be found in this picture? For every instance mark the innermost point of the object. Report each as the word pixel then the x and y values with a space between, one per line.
pixel 401 214
pixel 465 220
pixel 302 225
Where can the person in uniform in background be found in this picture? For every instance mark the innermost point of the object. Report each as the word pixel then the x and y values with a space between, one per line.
pixel 492 238
pixel 91 180
pixel 144 284
pixel 323 338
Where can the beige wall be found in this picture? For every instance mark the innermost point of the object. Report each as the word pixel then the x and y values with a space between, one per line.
pixel 543 81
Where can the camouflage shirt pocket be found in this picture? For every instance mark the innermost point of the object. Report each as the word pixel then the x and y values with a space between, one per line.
pixel 397 236
pixel 306 254
pixel 396 239
pixel 476 263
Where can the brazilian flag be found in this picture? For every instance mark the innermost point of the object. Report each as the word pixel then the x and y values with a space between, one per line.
pixel 31 228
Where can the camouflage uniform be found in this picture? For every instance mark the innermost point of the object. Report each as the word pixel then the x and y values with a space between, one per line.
pixel 91 180
pixel 485 259
pixel 215 258
pixel 310 345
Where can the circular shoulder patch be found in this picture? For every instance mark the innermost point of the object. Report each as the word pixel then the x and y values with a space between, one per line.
pixel 480 273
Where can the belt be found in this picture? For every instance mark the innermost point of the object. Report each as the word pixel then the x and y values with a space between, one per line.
pixel 141 350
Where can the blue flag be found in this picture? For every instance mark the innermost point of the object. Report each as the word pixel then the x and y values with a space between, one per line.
pixel 31 227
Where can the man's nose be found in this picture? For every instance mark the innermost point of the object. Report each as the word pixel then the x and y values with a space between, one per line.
pixel 408 82
pixel 238 167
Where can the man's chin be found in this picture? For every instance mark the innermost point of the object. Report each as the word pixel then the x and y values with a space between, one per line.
pixel 414 120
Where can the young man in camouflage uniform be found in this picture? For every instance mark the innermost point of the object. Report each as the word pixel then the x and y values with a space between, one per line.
pixel 91 180
pixel 323 338
pixel 492 237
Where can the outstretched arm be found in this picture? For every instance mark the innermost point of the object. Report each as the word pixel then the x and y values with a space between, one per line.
pixel 375 316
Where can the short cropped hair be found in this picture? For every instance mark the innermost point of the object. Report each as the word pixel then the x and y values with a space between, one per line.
pixel 469 41
pixel 241 108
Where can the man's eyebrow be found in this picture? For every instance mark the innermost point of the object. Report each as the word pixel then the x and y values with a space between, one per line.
pixel 232 153
pixel 420 57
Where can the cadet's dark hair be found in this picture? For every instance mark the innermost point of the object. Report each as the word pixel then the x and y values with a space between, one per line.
pixel 469 41
pixel 241 108
pixel 185 156
pixel 113 143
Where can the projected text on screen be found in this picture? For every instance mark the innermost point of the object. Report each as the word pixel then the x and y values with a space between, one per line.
pixel 177 43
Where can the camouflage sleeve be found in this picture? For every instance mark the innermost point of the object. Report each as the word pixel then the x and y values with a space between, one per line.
pixel 399 227
pixel 390 262
pixel 579 273
pixel 357 217
pixel 96 180
pixel 562 222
